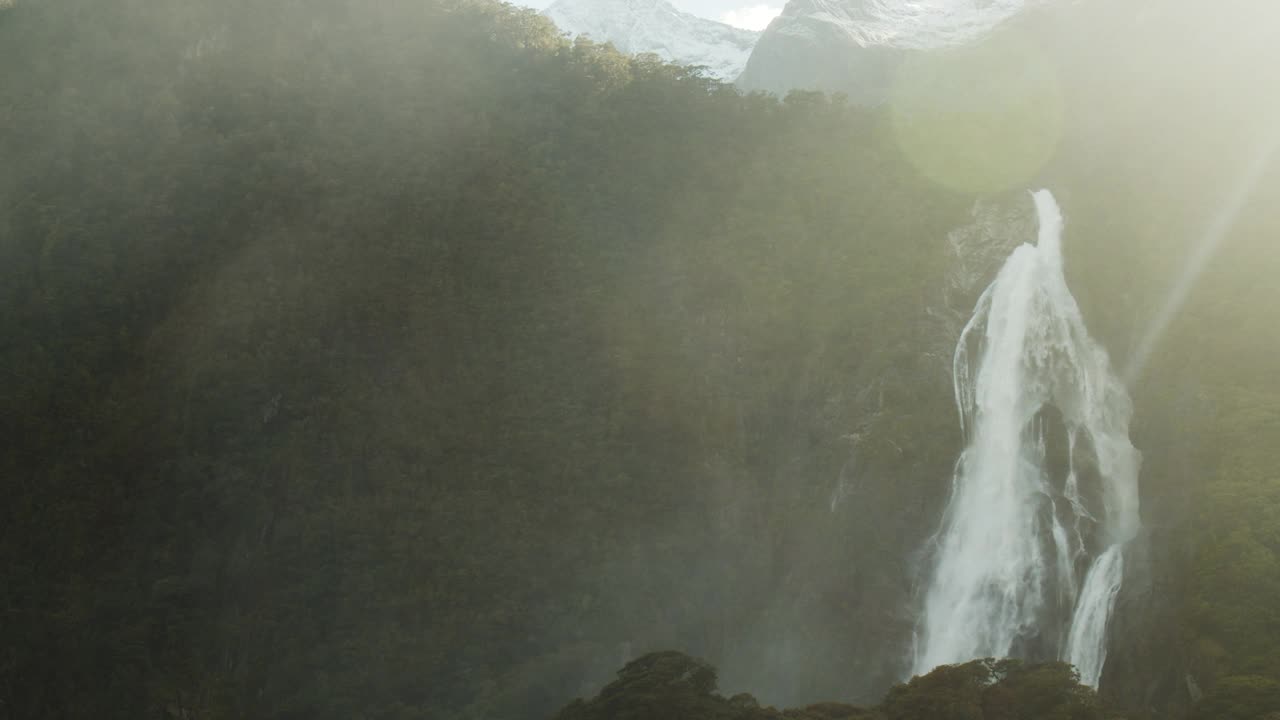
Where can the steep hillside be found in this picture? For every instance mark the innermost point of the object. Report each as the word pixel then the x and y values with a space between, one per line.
pixel 440 365
pixel 855 47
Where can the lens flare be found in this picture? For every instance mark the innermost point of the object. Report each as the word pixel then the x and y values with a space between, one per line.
pixel 1208 247
pixel 979 119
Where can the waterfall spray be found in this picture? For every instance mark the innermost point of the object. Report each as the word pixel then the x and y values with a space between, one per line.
pixel 1259 162
pixel 1029 558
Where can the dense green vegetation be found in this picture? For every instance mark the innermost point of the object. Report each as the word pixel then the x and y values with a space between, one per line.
pixel 405 359
pixel 672 685
pixel 361 360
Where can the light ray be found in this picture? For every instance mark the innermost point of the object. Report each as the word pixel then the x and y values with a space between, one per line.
pixel 1204 252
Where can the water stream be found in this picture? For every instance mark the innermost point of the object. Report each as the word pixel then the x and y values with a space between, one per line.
pixel 1029 558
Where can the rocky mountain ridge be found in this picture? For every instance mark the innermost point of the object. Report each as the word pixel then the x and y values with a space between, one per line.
pixel 658 27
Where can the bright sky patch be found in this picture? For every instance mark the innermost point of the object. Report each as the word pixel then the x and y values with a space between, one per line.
pixel 753 17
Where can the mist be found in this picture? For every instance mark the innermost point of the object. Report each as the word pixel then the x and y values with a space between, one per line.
pixel 415 359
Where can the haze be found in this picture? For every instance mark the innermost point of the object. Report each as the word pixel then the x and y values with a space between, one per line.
pixel 413 359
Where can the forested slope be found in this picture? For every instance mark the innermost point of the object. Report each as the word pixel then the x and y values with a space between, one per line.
pixel 402 359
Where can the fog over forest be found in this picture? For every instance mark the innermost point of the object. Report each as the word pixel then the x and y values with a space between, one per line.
pixel 457 360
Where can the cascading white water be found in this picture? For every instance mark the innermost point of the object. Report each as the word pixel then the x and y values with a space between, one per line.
pixel 1029 558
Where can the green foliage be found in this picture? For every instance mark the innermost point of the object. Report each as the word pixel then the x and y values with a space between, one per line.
pixel 672 685
pixel 952 692
pixel 994 690
pixel 1247 697
pixel 361 358
pixel 658 685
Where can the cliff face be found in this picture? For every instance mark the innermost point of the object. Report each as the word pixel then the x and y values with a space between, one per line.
pixel 855 46
pixel 808 48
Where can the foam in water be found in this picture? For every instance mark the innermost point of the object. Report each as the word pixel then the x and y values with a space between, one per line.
pixel 1029 558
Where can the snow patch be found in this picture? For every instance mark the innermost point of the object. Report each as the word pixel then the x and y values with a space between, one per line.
pixel 656 26
pixel 918 24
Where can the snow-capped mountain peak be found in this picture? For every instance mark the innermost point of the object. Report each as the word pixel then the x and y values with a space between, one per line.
pixel 919 24
pixel 657 26
pixel 856 46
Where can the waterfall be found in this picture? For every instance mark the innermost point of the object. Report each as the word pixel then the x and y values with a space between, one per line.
pixel 1029 556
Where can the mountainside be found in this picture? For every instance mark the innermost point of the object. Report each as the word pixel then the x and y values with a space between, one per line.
pixel 443 367
pixel 656 26
pixel 408 359
pixel 853 46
